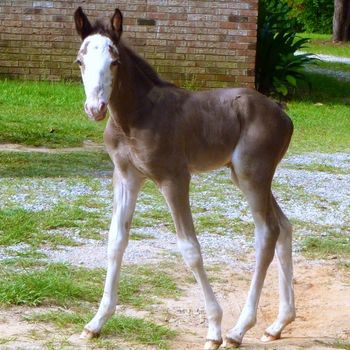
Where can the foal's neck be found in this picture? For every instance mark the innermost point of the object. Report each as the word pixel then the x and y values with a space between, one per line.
pixel 134 81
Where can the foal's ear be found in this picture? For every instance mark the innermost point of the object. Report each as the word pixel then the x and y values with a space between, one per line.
pixel 117 23
pixel 82 24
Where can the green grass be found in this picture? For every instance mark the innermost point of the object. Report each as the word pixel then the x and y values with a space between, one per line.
pixel 45 114
pixel 216 223
pixel 336 66
pixel 130 329
pixel 30 110
pixel 25 282
pixel 144 285
pixel 57 284
pixel 322 44
pixel 318 167
pixel 340 344
pixel 39 165
pixel 35 228
pixel 321 116
pixel 330 245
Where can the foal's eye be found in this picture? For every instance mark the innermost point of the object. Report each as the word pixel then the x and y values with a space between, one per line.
pixel 115 62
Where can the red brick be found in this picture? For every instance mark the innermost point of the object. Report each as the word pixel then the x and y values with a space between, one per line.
pixel 211 41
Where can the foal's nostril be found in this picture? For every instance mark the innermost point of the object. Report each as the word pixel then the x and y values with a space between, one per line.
pixel 102 106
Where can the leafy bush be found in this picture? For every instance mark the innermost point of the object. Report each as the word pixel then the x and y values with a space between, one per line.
pixel 314 16
pixel 278 69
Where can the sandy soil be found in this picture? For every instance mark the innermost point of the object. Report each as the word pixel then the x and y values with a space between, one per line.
pixel 323 309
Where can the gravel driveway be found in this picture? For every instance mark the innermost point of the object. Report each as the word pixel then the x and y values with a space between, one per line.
pixel 317 198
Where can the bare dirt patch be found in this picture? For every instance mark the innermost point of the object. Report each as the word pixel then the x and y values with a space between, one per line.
pixel 322 299
pixel 87 145
pixel 323 308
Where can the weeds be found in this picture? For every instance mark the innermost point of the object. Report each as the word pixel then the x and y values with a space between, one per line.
pixel 130 329
pixel 36 284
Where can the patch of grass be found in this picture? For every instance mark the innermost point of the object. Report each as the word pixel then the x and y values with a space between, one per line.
pixel 125 327
pixel 142 285
pixel 324 89
pixel 63 285
pixel 220 224
pixel 29 254
pixel 336 66
pixel 45 114
pixel 36 228
pixel 322 44
pixel 336 345
pixel 4 341
pixel 321 116
pixel 157 216
pixel 191 83
pixel 21 263
pixel 139 236
pixel 330 245
pixel 318 167
pixel 72 164
pixel 213 223
pixel 57 284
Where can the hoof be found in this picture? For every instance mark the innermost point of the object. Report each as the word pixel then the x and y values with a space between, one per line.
pixel 87 334
pixel 212 344
pixel 269 337
pixel 230 343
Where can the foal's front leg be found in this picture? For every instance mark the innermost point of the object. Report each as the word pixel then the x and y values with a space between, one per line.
pixel 126 186
pixel 176 193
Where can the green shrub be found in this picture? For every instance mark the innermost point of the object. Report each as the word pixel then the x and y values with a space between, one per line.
pixel 313 16
pixel 278 69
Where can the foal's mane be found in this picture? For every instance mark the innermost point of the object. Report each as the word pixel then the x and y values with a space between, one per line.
pixel 143 66
pixel 140 63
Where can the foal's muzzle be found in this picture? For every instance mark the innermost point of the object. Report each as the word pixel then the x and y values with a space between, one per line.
pixel 97 112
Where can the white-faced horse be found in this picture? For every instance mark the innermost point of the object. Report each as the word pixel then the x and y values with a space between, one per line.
pixel 159 131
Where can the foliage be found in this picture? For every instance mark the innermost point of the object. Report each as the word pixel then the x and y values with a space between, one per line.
pixel 278 69
pixel 314 16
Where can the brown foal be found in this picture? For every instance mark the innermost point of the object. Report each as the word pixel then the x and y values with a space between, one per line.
pixel 159 131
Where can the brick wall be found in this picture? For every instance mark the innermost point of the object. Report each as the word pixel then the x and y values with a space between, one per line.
pixel 209 43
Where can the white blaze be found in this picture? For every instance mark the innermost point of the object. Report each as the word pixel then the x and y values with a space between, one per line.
pixel 95 55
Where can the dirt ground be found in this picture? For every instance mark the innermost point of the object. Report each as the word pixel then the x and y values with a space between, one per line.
pixel 323 308
pixel 322 300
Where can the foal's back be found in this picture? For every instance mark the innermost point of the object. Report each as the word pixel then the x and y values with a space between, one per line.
pixel 211 124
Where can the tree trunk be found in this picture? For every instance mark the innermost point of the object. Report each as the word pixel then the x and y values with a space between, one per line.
pixel 341 20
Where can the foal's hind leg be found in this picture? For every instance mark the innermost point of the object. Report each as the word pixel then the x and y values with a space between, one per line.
pixel 286 312
pixel 176 193
pixel 257 189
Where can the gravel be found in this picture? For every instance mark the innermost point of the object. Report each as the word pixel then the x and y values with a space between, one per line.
pixel 319 198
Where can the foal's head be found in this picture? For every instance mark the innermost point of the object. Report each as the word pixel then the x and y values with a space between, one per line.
pixel 98 59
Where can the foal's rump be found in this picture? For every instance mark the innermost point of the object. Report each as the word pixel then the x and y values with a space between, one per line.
pixel 219 121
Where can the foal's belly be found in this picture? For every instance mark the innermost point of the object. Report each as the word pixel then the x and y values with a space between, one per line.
pixel 209 160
